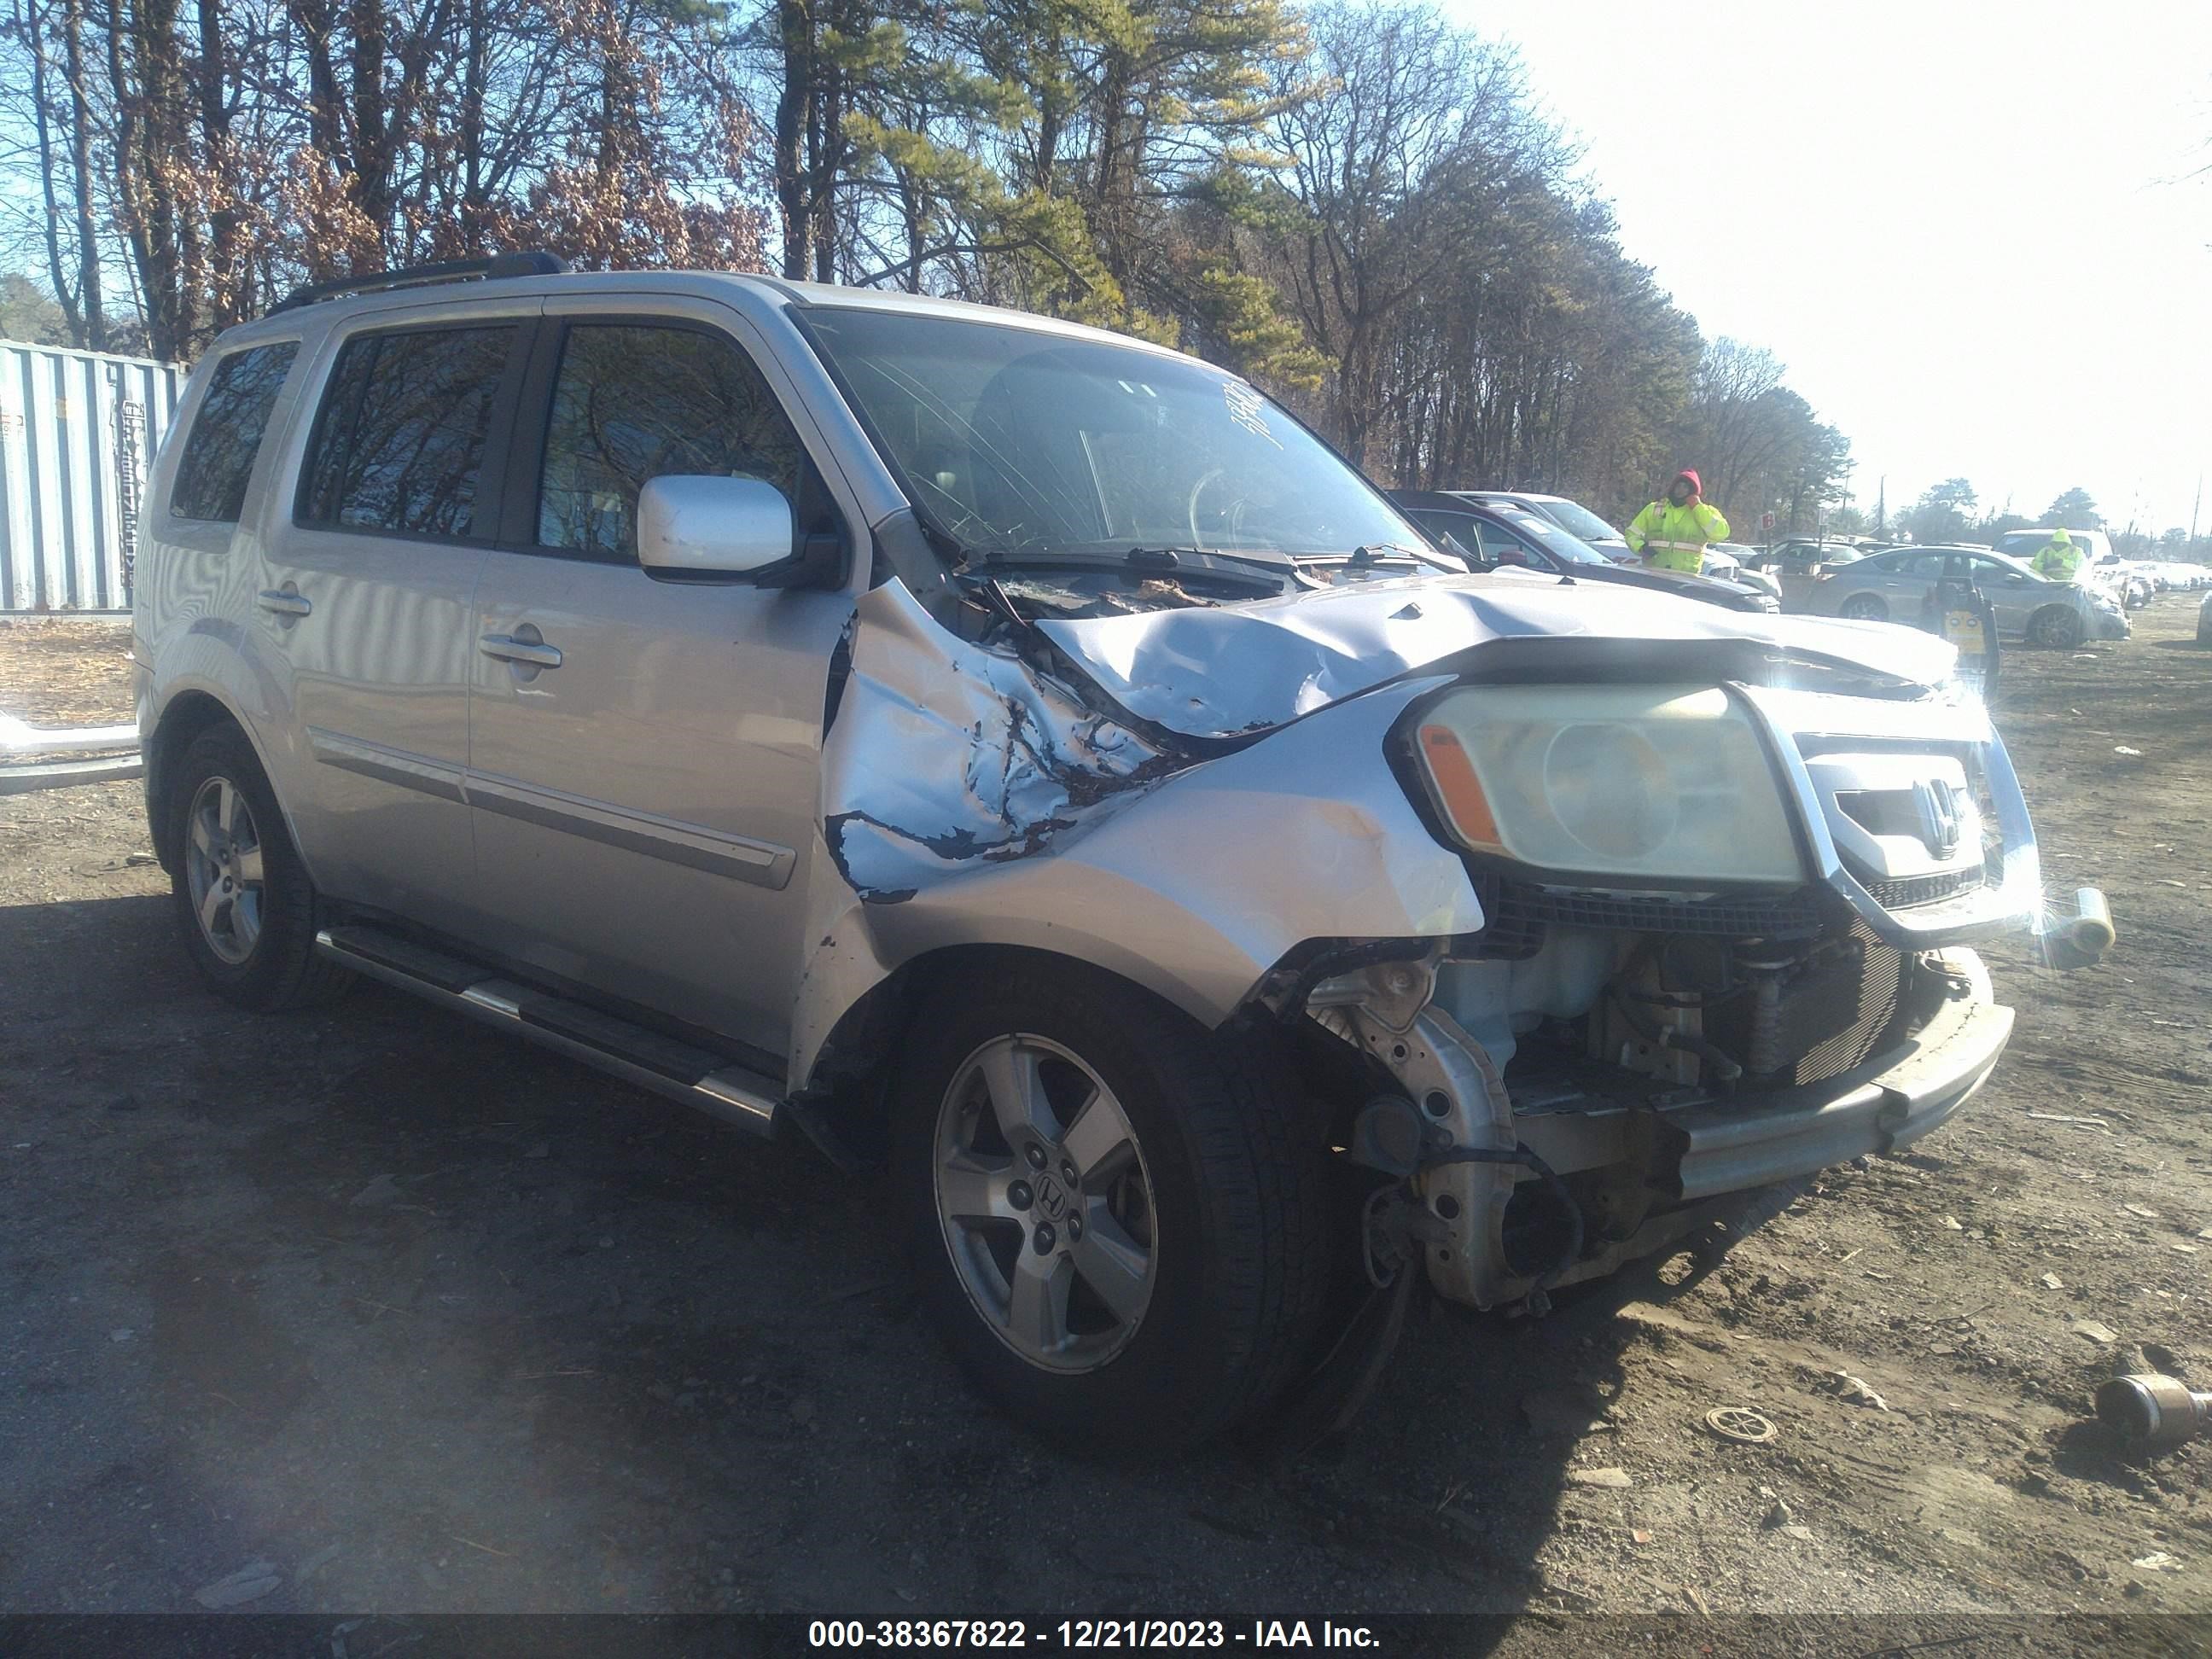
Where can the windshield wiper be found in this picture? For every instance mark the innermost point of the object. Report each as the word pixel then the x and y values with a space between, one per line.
pixel 1269 577
pixel 1370 554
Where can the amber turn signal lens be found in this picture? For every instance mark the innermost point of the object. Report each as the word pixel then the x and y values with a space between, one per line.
pixel 1458 790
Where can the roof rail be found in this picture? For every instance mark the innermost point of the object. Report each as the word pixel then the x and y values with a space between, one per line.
pixel 450 270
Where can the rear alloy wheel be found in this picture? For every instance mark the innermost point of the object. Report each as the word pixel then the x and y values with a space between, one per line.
pixel 2056 627
pixel 225 875
pixel 1117 1223
pixel 1864 607
pixel 243 898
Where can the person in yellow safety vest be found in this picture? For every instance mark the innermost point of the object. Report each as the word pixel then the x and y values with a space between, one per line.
pixel 1672 534
pixel 2058 558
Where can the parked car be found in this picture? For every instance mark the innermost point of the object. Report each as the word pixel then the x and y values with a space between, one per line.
pixel 1894 586
pixel 984 744
pixel 1491 535
pixel 2204 621
pixel 1796 565
pixel 2094 546
pixel 1570 516
pixel 2135 584
pixel 1738 561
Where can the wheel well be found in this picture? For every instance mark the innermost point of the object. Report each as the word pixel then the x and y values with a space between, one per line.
pixel 189 715
pixel 854 1066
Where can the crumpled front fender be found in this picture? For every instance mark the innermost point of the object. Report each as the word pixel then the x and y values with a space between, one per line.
pixel 1002 811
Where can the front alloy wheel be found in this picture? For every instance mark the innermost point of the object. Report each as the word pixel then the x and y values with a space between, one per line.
pixel 2056 628
pixel 1118 1218
pixel 1047 1210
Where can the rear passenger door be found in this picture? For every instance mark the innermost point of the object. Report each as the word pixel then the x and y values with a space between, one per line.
pixel 1903 581
pixel 644 751
pixel 365 602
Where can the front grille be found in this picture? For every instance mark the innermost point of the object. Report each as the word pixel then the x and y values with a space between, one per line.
pixel 1523 909
pixel 1914 890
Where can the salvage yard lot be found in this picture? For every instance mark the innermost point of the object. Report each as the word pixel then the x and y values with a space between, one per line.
pixel 401 1314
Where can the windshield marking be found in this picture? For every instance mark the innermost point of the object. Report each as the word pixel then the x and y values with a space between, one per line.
pixel 1246 409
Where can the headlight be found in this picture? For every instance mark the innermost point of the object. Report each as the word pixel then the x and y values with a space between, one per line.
pixel 1650 783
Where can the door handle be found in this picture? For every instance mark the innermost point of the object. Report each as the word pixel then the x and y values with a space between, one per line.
pixel 507 648
pixel 284 602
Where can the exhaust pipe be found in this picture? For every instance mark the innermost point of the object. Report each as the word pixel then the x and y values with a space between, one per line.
pixel 2079 940
pixel 2151 1414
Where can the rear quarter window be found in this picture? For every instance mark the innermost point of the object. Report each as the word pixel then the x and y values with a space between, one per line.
pixel 219 451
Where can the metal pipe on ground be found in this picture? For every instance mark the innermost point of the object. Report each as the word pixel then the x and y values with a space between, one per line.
pixel 2153 1414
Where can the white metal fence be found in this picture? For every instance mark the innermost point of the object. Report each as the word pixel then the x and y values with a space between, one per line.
pixel 78 431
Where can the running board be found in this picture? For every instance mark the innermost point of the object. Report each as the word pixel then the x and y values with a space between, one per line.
pixel 697 1077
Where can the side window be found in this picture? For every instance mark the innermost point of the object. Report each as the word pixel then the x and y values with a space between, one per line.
pixel 1452 531
pixel 1500 546
pixel 225 435
pixel 634 402
pixel 399 444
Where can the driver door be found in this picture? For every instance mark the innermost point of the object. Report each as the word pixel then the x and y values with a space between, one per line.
pixel 2013 593
pixel 644 752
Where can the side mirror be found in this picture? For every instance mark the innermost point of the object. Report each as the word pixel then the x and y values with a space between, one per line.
pixel 694 526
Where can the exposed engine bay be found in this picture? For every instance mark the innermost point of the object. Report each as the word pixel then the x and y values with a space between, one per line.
pixel 1586 1066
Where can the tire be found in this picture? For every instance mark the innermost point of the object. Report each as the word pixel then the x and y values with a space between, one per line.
pixel 2056 627
pixel 1139 1351
pixel 1865 607
pixel 243 898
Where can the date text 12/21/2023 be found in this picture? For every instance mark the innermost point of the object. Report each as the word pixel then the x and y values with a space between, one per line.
pixel 1086 1633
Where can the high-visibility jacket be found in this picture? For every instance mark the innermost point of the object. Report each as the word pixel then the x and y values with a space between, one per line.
pixel 2057 560
pixel 1674 538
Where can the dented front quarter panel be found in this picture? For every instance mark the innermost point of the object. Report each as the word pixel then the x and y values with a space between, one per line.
pixel 967 800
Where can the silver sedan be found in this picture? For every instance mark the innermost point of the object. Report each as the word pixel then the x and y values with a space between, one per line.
pixel 1895 586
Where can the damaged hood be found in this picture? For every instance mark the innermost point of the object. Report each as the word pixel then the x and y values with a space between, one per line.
pixel 1220 671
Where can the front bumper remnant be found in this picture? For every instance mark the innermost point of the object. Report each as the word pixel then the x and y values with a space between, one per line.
pixel 1693 1158
pixel 1795 1132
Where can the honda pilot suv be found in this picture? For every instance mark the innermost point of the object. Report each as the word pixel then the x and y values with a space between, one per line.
pixel 1026 760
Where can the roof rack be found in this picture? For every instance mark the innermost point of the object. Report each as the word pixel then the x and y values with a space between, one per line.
pixel 451 271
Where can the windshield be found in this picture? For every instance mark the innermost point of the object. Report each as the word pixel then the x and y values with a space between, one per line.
pixel 1580 520
pixel 1568 550
pixel 1024 443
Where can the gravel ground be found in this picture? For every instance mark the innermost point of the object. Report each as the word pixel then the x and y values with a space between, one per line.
pixel 395 1313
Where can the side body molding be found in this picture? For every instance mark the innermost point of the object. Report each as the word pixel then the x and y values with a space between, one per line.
pixel 695 845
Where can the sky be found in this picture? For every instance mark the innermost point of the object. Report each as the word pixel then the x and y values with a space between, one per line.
pixel 1967 227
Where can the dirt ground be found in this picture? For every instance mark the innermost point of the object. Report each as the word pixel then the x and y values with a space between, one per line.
pixel 420 1318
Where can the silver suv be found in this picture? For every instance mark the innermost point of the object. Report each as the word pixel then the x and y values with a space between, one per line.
pixel 1026 758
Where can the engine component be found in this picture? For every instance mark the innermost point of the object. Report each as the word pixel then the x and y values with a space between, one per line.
pixel 1388 1136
